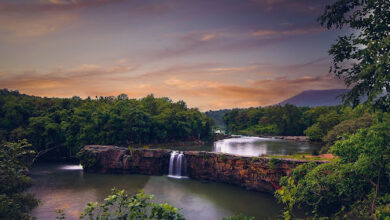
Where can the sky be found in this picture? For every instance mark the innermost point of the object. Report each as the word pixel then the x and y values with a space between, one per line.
pixel 213 54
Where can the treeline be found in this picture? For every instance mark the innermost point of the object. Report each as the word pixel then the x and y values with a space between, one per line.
pixel 217 116
pixel 272 120
pixel 71 123
pixel 291 120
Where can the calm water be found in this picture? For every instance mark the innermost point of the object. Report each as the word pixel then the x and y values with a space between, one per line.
pixel 255 146
pixel 252 146
pixel 67 187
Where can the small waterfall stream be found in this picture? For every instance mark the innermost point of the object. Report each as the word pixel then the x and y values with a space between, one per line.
pixel 177 165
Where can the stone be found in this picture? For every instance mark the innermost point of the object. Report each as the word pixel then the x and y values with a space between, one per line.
pixel 253 173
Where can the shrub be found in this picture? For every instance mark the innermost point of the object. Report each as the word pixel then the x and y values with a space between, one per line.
pixel 120 205
pixel 15 159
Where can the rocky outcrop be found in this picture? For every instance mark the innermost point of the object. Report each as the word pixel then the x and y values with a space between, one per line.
pixel 103 159
pixel 254 173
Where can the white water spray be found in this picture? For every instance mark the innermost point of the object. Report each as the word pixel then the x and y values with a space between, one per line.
pixel 177 165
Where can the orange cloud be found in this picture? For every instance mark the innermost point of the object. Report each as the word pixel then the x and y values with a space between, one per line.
pixel 190 83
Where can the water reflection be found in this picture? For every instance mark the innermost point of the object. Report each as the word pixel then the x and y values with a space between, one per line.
pixel 250 146
pixel 71 167
pixel 72 189
pixel 256 146
pixel 66 186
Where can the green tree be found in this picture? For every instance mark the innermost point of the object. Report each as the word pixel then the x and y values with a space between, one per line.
pixel 325 123
pixel 362 57
pixel 120 205
pixel 15 159
pixel 72 123
pixel 355 186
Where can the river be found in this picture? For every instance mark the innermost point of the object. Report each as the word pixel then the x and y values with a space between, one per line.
pixel 66 186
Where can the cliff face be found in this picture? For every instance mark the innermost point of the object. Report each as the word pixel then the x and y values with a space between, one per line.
pixel 103 159
pixel 254 173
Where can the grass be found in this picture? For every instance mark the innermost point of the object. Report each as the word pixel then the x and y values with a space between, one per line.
pixel 308 157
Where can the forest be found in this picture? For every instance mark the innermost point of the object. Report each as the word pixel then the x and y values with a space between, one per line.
pixel 354 184
pixel 318 123
pixel 68 124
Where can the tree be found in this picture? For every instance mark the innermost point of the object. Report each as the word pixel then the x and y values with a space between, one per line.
pixel 362 57
pixel 15 159
pixel 325 122
pixel 120 205
pixel 75 122
pixel 354 186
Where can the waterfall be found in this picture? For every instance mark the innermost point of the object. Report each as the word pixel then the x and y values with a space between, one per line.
pixel 177 165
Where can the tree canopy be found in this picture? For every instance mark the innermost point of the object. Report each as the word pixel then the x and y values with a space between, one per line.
pixel 362 57
pixel 354 186
pixel 71 123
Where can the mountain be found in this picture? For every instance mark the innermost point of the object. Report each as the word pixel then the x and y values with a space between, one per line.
pixel 313 98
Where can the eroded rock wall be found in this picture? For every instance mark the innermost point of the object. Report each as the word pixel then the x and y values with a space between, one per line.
pixel 254 173
pixel 103 159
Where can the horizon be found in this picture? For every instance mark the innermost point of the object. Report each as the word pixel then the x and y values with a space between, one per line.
pixel 211 54
pixel 202 110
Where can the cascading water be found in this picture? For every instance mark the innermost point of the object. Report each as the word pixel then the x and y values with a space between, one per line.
pixel 177 165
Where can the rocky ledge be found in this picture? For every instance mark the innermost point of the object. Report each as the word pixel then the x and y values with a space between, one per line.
pixel 254 173
pixel 113 159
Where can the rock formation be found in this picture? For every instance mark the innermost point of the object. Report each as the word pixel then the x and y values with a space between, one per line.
pixel 254 173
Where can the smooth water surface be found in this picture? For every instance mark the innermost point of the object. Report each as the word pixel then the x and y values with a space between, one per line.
pixel 66 186
pixel 252 146
pixel 256 146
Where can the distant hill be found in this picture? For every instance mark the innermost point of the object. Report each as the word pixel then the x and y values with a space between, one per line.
pixel 313 98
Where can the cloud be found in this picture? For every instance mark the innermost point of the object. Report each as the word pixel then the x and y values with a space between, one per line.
pixel 63 78
pixel 261 92
pixel 208 37
pixel 289 32
pixel 270 91
pixel 301 6
pixel 190 83
pixel 28 26
pixel 215 42
pixel 35 19
pixel 234 69
pixel 52 5
pixel 186 43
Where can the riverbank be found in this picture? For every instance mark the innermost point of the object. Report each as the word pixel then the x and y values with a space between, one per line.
pixel 281 137
pixel 288 138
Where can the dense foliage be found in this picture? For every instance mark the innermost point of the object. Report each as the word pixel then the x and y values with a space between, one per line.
pixel 355 186
pixel 70 123
pixel 287 120
pixel 324 123
pixel 120 205
pixel 362 58
pixel 15 159
pixel 217 115
pixel 272 120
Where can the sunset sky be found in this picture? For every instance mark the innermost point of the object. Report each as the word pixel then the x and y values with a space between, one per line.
pixel 212 54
